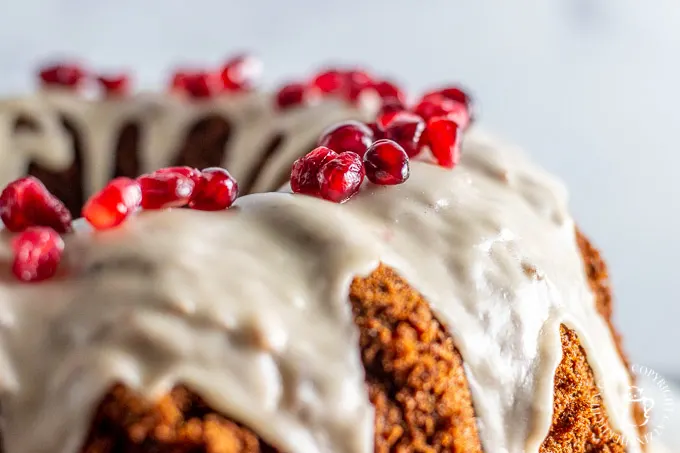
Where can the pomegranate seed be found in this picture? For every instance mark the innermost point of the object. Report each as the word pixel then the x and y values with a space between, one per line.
pixel 455 94
pixel 26 202
pixel 115 85
pixel 193 173
pixel 37 253
pixel 113 204
pixel 437 105
pixel 330 81
pixel 407 130
pixel 303 175
pixel 377 130
pixel 241 73
pixel 357 81
pixel 340 178
pixel 386 163
pixel 178 81
pixel 444 141
pixel 389 109
pixel 347 136
pixel 64 75
pixel 388 90
pixel 296 94
pixel 201 85
pixel 404 115
pixel 165 190
pixel 217 190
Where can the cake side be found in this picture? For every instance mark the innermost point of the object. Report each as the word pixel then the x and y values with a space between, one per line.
pixel 489 246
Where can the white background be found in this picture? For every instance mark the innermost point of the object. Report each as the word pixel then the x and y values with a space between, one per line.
pixel 590 87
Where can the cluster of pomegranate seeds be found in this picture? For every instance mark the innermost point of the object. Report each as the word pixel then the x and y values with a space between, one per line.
pixel 386 163
pixel 37 254
pixel 348 136
pixel 113 204
pixel 27 203
pixel 240 73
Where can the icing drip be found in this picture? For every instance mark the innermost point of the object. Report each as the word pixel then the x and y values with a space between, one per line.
pixel 164 122
pixel 249 308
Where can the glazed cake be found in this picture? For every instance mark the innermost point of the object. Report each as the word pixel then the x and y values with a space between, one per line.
pixel 457 308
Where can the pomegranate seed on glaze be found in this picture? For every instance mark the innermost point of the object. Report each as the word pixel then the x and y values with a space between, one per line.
pixel 303 175
pixel 113 204
pixel 65 75
pixel 403 115
pixel 437 105
pixel 37 253
pixel 356 82
pixel 241 73
pixel 389 109
pixel 114 85
pixel 330 81
pixel 217 190
pixel 26 203
pixel 189 172
pixel 296 94
pixel 340 178
pixel 407 130
pixel 201 85
pixel 388 90
pixel 165 190
pixel 347 136
pixel 386 163
pixel 444 141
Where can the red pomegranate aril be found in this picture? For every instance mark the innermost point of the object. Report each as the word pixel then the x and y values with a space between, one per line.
pixel 330 81
pixel 37 253
pixel 241 73
pixel 303 175
pixel 165 190
pixel 460 113
pixel 357 81
pixel 65 75
pixel 295 95
pixel 341 178
pixel 189 172
pixel 456 94
pixel 201 85
pixel 113 204
pixel 444 141
pixel 178 81
pixel 347 136
pixel 407 130
pixel 26 203
pixel 386 163
pixel 388 90
pixel 114 85
pixel 437 105
pixel 217 190
pixel 389 109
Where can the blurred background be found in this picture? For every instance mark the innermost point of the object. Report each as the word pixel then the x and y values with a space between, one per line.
pixel 590 88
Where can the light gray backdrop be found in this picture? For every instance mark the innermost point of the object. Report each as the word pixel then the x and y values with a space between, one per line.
pixel 590 87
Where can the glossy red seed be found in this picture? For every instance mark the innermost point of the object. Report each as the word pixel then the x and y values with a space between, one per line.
pixel 189 172
pixel 295 95
pixel 37 253
pixel 460 113
pixel 456 94
pixel 303 175
pixel 330 81
pixel 202 85
pixel 407 130
pixel 65 75
pixel 165 190
pixel 437 105
pixel 388 90
pixel 444 141
pixel 347 136
pixel 26 202
pixel 114 85
pixel 356 82
pixel 217 190
pixel 389 109
pixel 241 73
pixel 386 163
pixel 341 178
pixel 113 204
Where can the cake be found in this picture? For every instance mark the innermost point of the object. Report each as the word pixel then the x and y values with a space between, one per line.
pixel 456 307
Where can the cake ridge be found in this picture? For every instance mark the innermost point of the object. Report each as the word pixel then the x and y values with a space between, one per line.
pixel 464 239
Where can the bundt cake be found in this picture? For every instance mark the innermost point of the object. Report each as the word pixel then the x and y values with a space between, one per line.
pixel 431 295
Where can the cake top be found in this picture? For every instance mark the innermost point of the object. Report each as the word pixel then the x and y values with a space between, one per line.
pixel 248 305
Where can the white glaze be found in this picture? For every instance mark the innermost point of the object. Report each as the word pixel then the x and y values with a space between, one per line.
pixel 249 308
pixel 164 122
